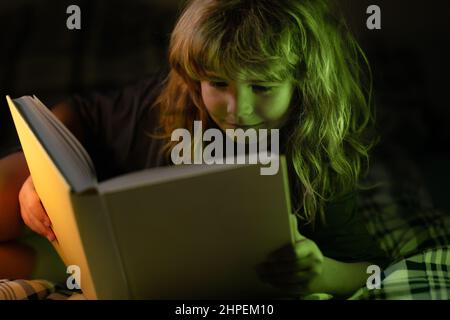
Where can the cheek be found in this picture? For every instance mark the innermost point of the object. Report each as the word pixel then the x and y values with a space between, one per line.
pixel 273 109
pixel 213 101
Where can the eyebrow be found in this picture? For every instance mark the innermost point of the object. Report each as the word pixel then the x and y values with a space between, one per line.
pixel 263 81
pixel 217 79
pixel 271 81
pixel 213 76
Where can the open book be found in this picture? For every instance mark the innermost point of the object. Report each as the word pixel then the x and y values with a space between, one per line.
pixel 186 231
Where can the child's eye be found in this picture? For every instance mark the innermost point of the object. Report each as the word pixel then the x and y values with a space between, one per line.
pixel 218 84
pixel 262 89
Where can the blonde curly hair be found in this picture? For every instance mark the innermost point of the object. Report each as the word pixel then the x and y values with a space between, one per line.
pixel 304 40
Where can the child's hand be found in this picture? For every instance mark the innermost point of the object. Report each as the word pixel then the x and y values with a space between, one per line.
pixel 32 211
pixel 294 268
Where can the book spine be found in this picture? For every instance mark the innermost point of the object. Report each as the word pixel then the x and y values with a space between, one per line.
pixel 292 218
pixel 99 243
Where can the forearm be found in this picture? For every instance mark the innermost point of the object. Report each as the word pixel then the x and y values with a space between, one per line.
pixel 13 172
pixel 17 260
pixel 340 279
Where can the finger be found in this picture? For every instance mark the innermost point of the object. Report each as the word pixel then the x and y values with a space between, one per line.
pixel 306 248
pixel 285 253
pixel 292 252
pixel 51 235
pixel 34 215
pixel 43 230
pixel 37 226
pixel 291 276
pixel 38 216
pixel 29 198
pixel 37 210
pixel 33 225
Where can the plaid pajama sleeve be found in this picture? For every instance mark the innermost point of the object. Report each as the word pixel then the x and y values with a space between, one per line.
pixel 36 290
pixel 424 276
pixel 25 289
pixel 415 235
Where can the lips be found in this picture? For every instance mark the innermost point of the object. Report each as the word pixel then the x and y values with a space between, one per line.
pixel 243 125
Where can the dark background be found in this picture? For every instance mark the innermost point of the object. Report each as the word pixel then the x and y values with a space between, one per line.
pixel 121 41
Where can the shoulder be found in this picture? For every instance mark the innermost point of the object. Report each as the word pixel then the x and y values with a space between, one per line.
pixel 147 88
pixel 116 124
pixel 141 94
pixel 135 95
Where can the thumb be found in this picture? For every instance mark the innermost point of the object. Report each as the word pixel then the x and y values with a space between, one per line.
pixel 297 235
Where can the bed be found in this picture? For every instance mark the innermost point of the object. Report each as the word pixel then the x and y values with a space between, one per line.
pixel 399 215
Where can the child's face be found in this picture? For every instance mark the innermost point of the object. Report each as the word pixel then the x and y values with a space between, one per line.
pixel 247 104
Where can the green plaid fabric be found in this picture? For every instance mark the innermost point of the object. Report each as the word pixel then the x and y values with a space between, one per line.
pixel 416 236
pixel 25 289
pixel 400 214
pixel 424 276
pixel 36 290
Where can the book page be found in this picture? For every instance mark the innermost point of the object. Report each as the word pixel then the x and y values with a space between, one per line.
pixel 55 194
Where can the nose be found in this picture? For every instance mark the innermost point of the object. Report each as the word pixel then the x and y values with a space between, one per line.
pixel 240 103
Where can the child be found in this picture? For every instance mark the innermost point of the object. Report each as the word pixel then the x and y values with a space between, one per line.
pixel 287 64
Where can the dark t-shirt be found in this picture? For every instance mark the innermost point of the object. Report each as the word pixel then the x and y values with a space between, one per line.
pixel 117 126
